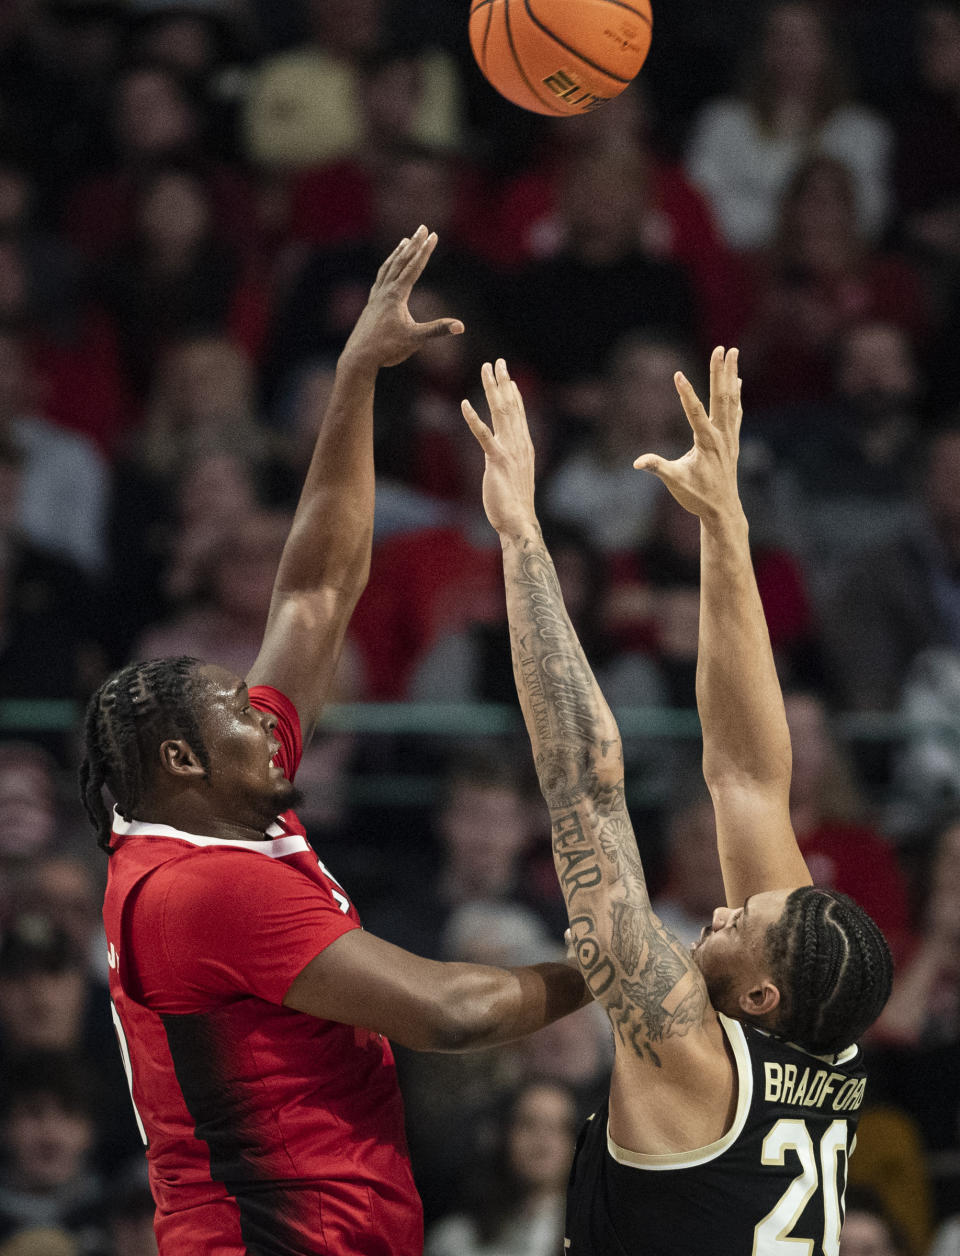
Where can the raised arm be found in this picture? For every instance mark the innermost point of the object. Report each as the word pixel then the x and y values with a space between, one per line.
pixel 652 990
pixel 326 558
pixel 746 745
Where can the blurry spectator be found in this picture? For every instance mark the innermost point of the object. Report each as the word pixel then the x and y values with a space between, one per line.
pixel 569 307
pixel 916 1058
pixel 70 50
pixel 203 395
pixel 205 41
pixel 471 663
pixel 48 1134
pixel 423 446
pixel 49 637
pixel 157 119
pixel 795 101
pixel 334 201
pixel 480 834
pixel 65 888
pixel 489 932
pixel 842 851
pixel 446 1095
pixel 579 1054
pixel 225 589
pixel 515 1203
pixel 406 397
pixel 200 461
pixel 177 278
pixel 414 185
pixel 693 887
pixel 75 362
pixel 850 460
pixel 424 585
pixel 215 491
pixel 653 604
pixel 818 278
pixel 33 820
pixel 193 37
pixel 901 597
pixel 672 217
pixel 946 1241
pixel 223 619
pixel 40 1241
pixel 43 988
pixel 129 1213
pixel 51 271
pixel 49 642
pixel 304 104
pixel 928 139
pixel 925 780
pixel 55 481
pixel 924 1008
pixel 596 486
pixel 49 1003
pixel 867 1229
pixel 482 827
pixel 891 1163
pixel 71 345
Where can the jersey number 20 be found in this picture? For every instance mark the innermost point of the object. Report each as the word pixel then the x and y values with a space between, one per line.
pixel 773 1236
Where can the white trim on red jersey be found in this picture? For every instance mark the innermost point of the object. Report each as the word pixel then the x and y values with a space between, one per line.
pixel 280 844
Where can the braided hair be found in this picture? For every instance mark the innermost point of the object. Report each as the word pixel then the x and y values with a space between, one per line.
pixel 832 966
pixel 132 712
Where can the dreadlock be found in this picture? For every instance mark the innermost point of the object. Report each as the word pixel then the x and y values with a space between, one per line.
pixel 832 966
pixel 127 718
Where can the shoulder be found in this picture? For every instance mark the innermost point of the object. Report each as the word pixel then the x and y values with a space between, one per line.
pixel 222 878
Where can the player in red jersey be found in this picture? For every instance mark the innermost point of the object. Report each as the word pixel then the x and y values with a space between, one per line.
pixel 250 1006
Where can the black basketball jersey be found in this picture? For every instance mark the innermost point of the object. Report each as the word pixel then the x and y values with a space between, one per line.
pixel 773 1185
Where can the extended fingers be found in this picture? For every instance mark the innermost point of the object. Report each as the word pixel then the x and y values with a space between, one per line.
pixel 725 388
pixel 411 266
pixel 391 266
pixel 476 425
pixel 503 396
pixel 408 248
pixel 697 417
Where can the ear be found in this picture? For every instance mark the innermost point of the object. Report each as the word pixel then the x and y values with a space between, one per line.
pixel 178 759
pixel 761 1000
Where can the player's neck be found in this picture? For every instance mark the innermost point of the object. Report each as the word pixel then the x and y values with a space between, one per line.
pixel 204 819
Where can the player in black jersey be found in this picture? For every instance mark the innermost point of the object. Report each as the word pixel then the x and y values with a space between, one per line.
pixel 737 1083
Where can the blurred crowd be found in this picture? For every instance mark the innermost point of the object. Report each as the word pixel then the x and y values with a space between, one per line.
pixel 195 196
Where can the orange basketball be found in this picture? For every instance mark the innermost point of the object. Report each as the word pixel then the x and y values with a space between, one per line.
pixel 560 56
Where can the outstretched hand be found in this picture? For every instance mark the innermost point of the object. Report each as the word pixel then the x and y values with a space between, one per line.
pixel 704 480
pixel 508 479
pixel 385 333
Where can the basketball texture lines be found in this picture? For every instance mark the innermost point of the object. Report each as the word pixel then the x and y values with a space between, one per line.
pixel 560 57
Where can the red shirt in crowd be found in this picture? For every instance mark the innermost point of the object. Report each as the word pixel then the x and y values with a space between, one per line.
pixel 267 1130
pixel 857 861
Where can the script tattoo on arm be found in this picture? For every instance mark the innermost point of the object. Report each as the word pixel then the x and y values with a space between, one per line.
pixel 649 983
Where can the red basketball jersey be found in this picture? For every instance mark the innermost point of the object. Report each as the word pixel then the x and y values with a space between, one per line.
pixel 268 1132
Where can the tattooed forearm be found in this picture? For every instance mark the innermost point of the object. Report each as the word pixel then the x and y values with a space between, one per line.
pixel 551 670
pixel 651 988
pixel 629 924
pixel 598 970
pixel 575 858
